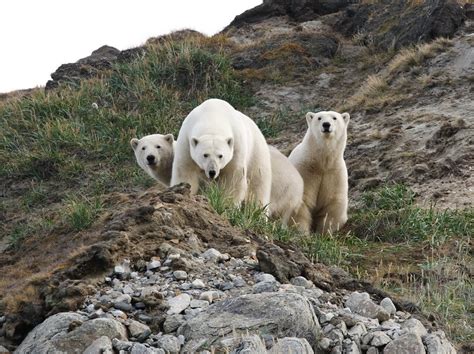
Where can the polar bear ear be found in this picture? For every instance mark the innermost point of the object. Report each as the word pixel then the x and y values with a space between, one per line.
pixel 134 143
pixel 346 117
pixel 194 142
pixel 309 117
pixel 169 138
pixel 230 142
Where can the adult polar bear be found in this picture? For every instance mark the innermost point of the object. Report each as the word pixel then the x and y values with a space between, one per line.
pixel 319 158
pixel 225 144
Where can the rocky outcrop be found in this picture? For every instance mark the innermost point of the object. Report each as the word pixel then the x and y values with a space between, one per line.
pixel 275 314
pixel 298 10
pixel 395 24
pixel 94 65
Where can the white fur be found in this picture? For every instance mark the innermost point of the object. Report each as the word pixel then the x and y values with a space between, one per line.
pixel 161 148
pixel 287 188
pixel 244 172
pixel 320 160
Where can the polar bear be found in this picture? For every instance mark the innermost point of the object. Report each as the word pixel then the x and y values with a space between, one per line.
pixel 287 188
pixel 320 160
pixel 220 143
pixel 154 154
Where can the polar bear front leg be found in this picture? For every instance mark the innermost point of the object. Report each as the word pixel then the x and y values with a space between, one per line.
pixel 185 172
pixel 302 219
pixel 332 219
pixel 235 185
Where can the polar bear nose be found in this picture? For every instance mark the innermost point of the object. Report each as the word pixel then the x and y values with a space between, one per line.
pixel 212 173
pixel 150 158
pixel 326 125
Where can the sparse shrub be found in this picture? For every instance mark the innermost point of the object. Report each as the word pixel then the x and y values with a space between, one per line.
pixel 81 213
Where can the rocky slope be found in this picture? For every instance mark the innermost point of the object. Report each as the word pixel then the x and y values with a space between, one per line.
pixel 160 271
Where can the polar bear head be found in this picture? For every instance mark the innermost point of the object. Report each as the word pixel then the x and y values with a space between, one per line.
pixel 154 152
pixel 212 153
pixel 328 124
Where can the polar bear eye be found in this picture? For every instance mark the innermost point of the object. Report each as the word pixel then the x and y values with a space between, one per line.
pixel 206 156
pixel 319 118
pixel 220 156
pixel 143 148
pixel 158 146
pixel 334 118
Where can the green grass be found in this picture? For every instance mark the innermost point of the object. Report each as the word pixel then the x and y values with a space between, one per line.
pixel 77 137
pixel 82 212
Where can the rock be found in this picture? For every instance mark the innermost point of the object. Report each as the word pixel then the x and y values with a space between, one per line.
pixel 102 345
pixel 395 24
pixel 264 277
pixel 121 344
pixel 153 264
pixel 291 345
pixel 210 296
pixel 55 333
pixel 169 343
pixel 3 350
pixel 388 305
pixel 350 347
pixel 409 343
pixel 243 345
pixel 265 287
pixel 199 303
pixel 139 348
pixel 172 323
pixel 325 343
pixel 180 275
pixel 239 282
pixel 123 270
pixel 357 331
pixel 361 304
pixel 198 284
pixel 436 343
pixel 372 350
pixel 301 281
pixel 277 314
pixel 212 255
pixel 178 304
pixel 379 339
pixel 413 325
pixel 138 330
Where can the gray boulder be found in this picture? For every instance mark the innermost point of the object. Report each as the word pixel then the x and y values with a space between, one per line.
pixel 361 304
pixel 436 343
pixel 102 345
pixel 414 326
pixel 243 345
pixel 276 314
pixel 291 345
pixel 409 343
pixel 69 332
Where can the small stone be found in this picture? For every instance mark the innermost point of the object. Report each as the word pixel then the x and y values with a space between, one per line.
pixel 380 339
pixel 209 296
pixel 199 304
pixel 372 350
pixel 172 323
pixel 123 270
pixel 239 282
pixel 140 305
pixel 153 264
pixel 325 343
pixel 326 317
pixel 100 345
pixel 173 256
pixel 121 344
pixel 169 343
pixel 185 286
pixel 265 287
pixel 414 326
pixel 138 330
pixel 336 335
pixel 89 308
pixel 226 286
pixel 388 305
pixel 301 281
pixel 436 342
pixel 145 318
pixel 180 275
pixel 264 277
pixel 291 345
pixel 212 255
pixel 181 339
pixel 124 306
pixel 139 348
pixel 357 331
pixel 127 289
pixel 350 347
pixel 178 304
pixel 361 304
pixel 191 313
pixel 119 314
pixel 198 284
pixel 408 343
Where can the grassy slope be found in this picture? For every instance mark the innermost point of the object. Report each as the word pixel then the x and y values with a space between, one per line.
pixel 61 157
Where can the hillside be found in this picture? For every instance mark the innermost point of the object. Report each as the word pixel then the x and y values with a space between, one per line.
pixel 74 204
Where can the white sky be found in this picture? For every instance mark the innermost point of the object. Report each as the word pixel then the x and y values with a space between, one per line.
pixel 36 36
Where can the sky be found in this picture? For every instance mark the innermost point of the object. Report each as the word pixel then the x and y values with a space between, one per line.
pixel 37 36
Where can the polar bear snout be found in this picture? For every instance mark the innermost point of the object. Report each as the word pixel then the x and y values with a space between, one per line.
pixel 212 174
pixel 151 159
pixel 326 127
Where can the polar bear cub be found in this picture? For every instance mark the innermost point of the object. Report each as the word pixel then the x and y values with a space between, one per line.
pixel 218 142
pixel 287 188
pixel 320 160
pixel 154 154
